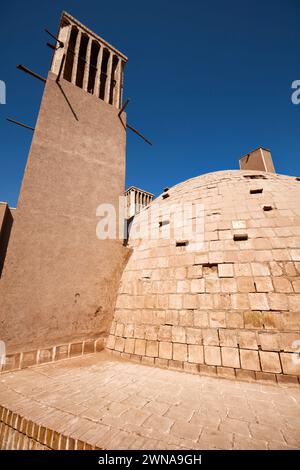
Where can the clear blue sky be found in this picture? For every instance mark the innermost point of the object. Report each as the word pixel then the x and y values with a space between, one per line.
pixel 209 81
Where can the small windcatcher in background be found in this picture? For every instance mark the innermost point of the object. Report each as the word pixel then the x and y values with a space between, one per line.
pixel 259 159
pixel 137 199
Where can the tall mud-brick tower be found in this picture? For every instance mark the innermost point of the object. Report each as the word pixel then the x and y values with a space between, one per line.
pixel 59 282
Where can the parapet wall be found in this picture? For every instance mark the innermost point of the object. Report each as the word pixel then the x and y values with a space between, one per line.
pixel 18 432
pixel 231 308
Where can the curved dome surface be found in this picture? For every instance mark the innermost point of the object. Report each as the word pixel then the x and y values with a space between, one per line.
pixel 226 301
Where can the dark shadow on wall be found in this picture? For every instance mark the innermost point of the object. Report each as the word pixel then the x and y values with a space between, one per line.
pixel 4 236
pixel 68 102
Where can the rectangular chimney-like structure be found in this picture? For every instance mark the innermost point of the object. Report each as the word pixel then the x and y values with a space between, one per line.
pixel 88 61
pixel 259 159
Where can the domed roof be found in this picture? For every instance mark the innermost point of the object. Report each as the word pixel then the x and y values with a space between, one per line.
pixel 212 284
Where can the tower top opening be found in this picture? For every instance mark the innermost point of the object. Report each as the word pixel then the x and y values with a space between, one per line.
pixel 258 159
pixel 88 61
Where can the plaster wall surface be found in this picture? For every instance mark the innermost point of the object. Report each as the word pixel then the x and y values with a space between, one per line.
pixel 59 281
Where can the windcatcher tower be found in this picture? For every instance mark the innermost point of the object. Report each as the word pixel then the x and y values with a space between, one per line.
pixel 89 62
pixel 59 282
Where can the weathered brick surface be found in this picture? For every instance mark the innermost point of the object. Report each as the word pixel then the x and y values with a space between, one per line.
pixel 194 336
pixel 269 341
pixel 230 357
pixel 290 363
pixel 230 293
pixel 180 352
pixel 248 339
pixel 178 334
pixel 44 355
pixel 152 349
pixel 129 345
pixel 225 270
pixel 249 359
pixel 29 358
pixel 270 361
pixel 195 354
pixel 99 402
pixel 120 344
pixel 212 355
pixel 165 350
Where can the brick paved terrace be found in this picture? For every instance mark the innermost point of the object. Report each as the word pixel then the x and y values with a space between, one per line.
pixel 99 401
